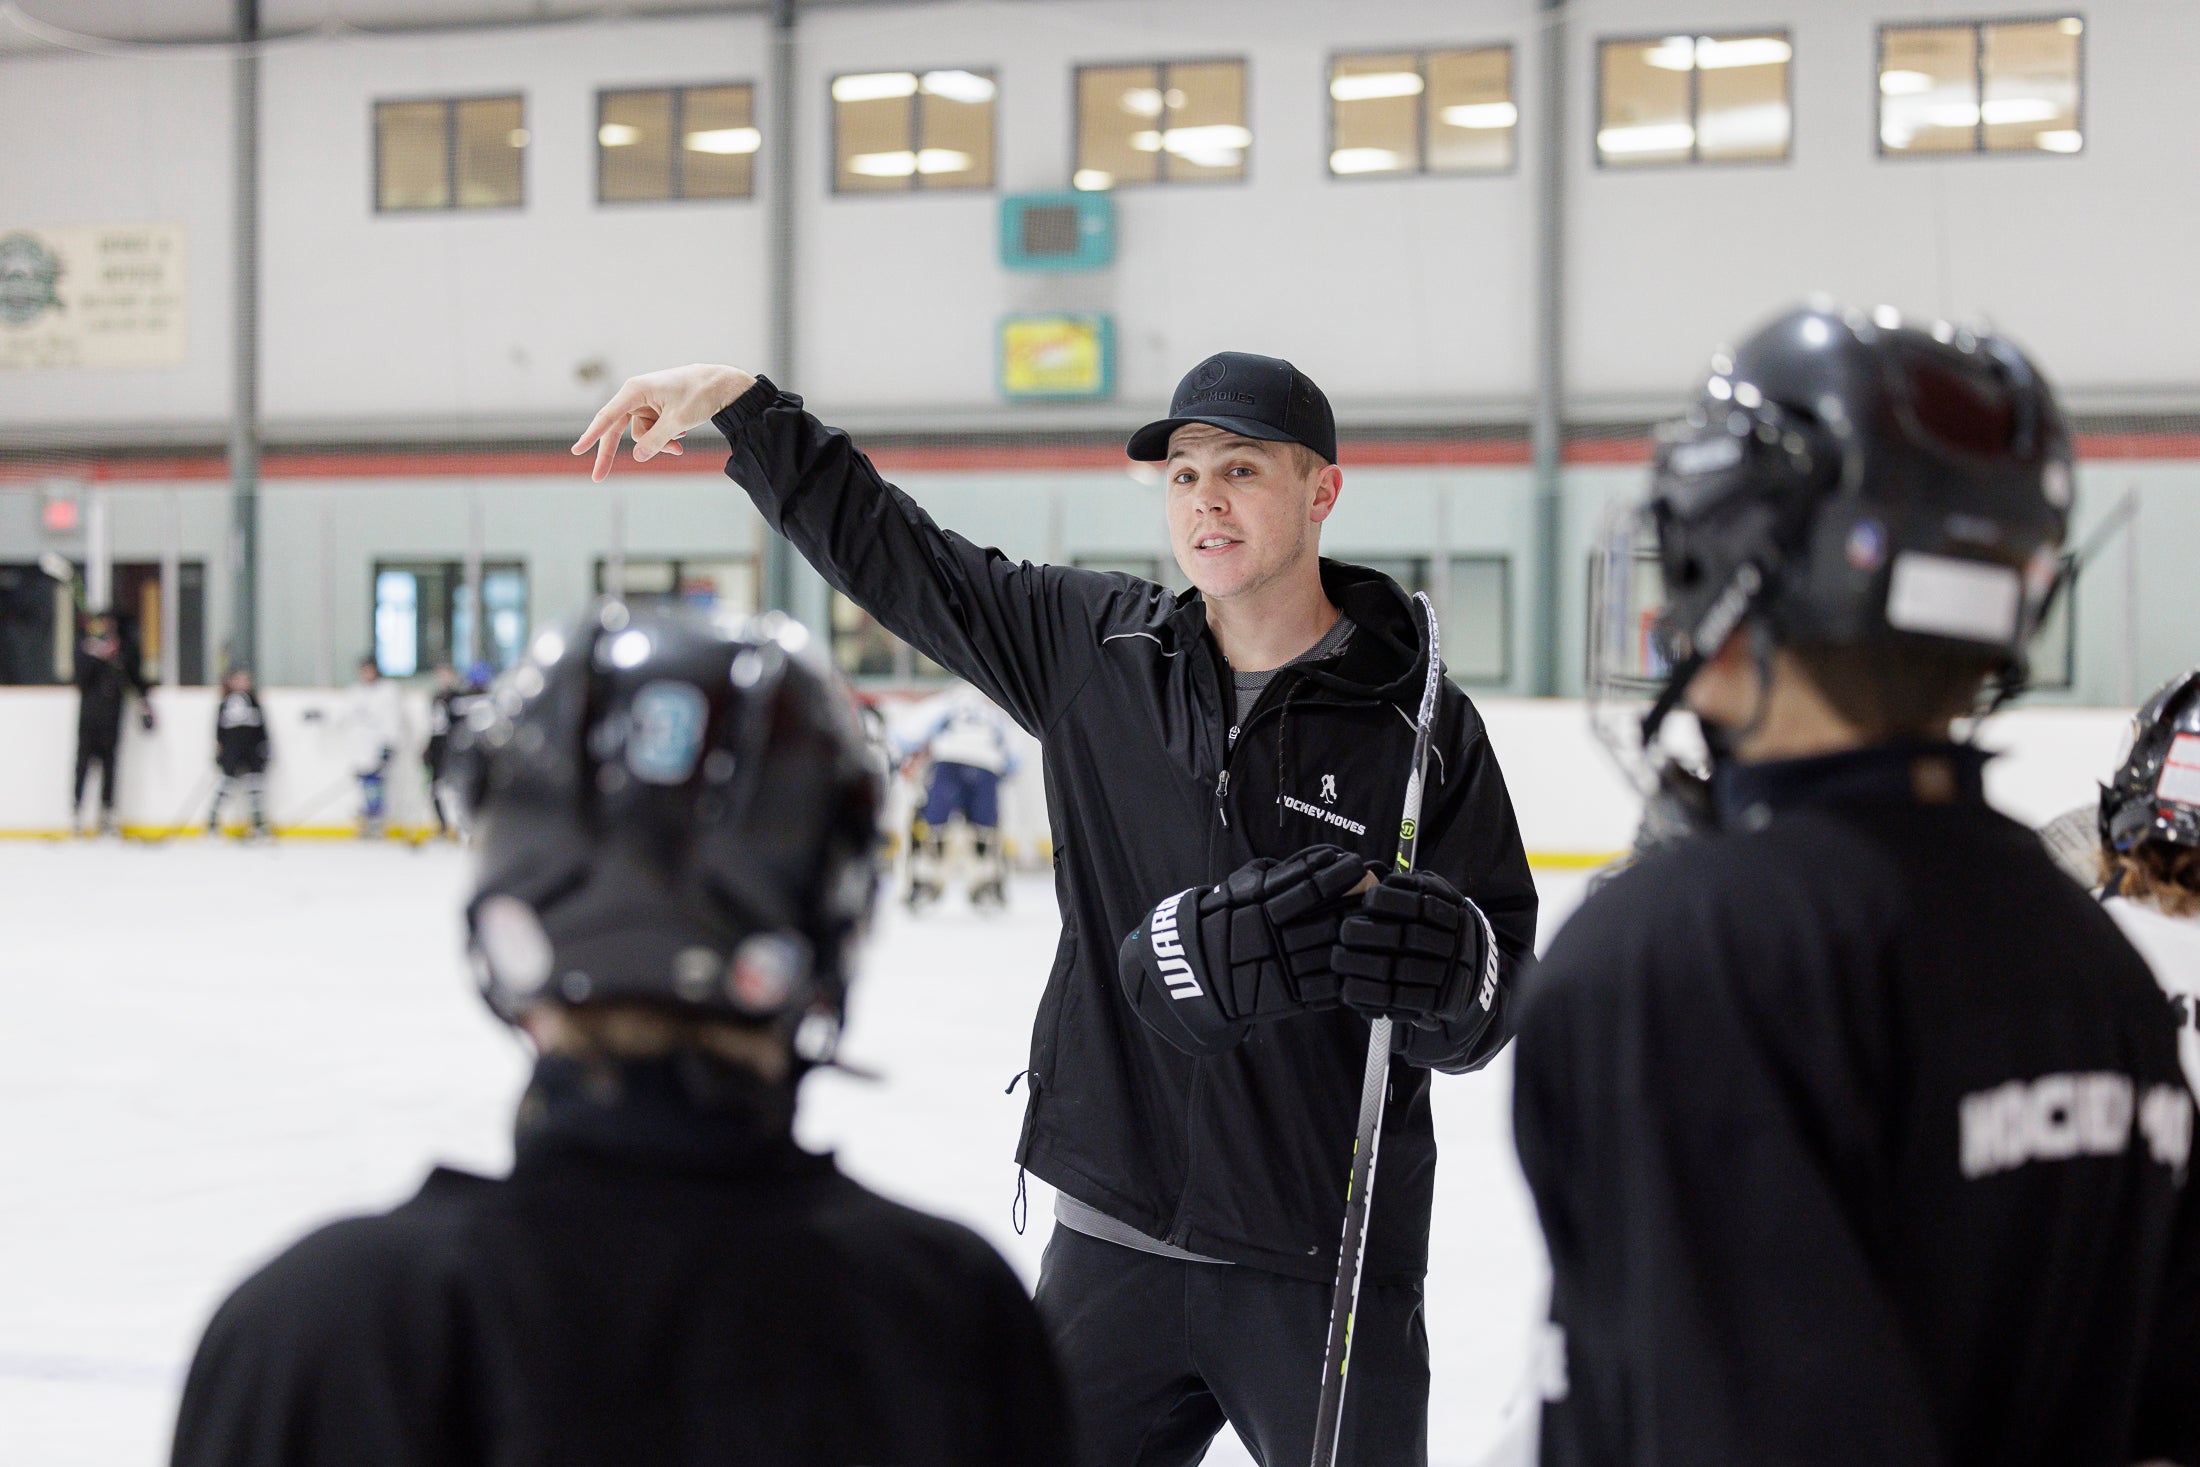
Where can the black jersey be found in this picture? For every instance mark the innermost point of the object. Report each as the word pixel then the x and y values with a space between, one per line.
pixel 240 734
pixel 1857 1136
pixel 649 1285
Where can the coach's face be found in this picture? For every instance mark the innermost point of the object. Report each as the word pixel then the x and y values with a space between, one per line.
pixel 1245 514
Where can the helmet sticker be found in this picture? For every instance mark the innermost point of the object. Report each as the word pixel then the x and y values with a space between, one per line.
pixel 766 968
pixel 511 938
pixel 1867 545
pixel 667 737
pixel 1941 596
pixel 2180 781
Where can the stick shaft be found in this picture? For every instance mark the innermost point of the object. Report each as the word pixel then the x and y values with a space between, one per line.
pixel 1359 1194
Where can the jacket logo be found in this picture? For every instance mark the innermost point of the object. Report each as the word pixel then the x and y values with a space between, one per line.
pixel 1328 817
pixel 1168 949
pixel 1329 789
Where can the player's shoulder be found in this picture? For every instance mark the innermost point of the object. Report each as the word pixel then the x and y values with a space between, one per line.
pixel 1677 912
pixel 344 1271
pixel 915 1248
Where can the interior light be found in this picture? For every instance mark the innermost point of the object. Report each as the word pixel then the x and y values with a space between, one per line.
pixel 1904 83
pixel 1714 55
pixel 2070 25
pixel 1887 318
pixel 1218 137
pixel 1952 114
pixel 1146 142
pixel 1480 115
pixel 630 648
pixel 1895 136
pixel 2061 140
pixel 1653 137
pixel 518 137
pixel 942 160
pixel 1674 53
pixel 959 86
pixel 1365 160
pixel 618 135
pixel 1369 86
pixel 725 140
pixel 1142 101
pixel 1092 180
pixel 2020 109
pixel 874 86
pixel 883 165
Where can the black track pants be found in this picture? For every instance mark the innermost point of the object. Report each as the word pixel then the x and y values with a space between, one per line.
pixel 96 746
pixel 1158 1353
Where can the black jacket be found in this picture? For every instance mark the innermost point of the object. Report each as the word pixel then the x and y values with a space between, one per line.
pixel 1858 1137
pixel 1243 1156
pixel 240 734
pixel 106 674
pixel 650 1285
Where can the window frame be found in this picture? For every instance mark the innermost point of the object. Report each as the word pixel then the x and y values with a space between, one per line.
pixel 1161 177
pixel 678 92
pixel 450 104
pixel 1695 159
pixel 1977 26
pixel 455 571
pixel 915 184
pixel 1421 169
pixel 1424 562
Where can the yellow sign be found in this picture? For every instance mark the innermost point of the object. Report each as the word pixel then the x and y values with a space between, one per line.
pixel 1057 356
pixel 107 296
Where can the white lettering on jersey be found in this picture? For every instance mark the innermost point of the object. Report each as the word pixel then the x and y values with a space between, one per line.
pixel 1292 802
pixel 1168 949
pixel 2057 1117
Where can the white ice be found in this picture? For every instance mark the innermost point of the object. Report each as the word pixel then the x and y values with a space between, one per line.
pixel 211 1049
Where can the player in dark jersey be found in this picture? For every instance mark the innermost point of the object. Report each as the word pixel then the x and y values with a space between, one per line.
pixel 1856 1130
pixel 677 834
pixel 240 751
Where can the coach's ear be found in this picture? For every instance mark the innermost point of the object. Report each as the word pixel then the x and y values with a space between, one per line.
pixel 1327 486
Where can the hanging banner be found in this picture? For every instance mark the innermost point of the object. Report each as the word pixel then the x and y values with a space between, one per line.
pixel 1057 356
pixel 98 296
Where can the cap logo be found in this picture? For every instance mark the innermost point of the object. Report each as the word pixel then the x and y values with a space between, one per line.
pixel 667 738
pixel 1208 373
pixel 1218 394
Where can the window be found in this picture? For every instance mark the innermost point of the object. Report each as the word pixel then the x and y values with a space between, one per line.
pixel 1473 610
pixel 862 648
pixel 894 131
pixel 459 153
pixel 1173 122
pixel 422 615
pixel 1983 87
pixel 1422 112
pixel 721 583
pixel 676 143
pixel 1693 99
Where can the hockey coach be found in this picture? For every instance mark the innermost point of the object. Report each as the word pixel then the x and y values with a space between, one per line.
pixel 1239 755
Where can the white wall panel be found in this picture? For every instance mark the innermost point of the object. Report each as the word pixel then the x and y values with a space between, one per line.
pixel 100 141
pixel 443 317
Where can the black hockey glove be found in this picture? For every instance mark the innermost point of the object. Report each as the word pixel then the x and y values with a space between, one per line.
pixel 1208 964
pixel 1417 952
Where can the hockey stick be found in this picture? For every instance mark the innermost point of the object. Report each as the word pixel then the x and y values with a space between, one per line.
pixel 1374 1090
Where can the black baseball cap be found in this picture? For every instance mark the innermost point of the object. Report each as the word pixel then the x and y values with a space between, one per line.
pixel 1259 397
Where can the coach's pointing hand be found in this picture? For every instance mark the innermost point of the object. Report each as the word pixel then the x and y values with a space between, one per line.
pixel 656 408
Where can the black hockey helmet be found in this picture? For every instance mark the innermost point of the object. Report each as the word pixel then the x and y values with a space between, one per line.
pixel 1846 479
pixel 672 810
pixel 2156 792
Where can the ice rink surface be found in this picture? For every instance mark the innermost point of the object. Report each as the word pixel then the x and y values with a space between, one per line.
pixel 211 1049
